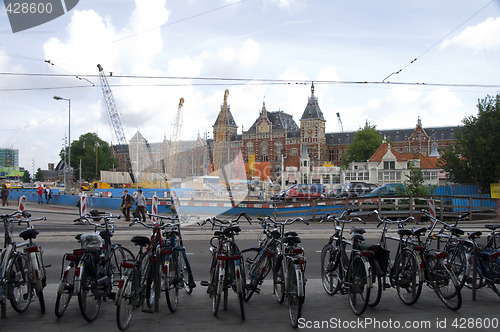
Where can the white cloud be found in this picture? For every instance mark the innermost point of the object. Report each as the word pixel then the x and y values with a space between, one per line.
pixel 441 102
pixel 484 36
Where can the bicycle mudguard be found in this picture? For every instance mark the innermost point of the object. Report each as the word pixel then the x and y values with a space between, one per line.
pixel 237 273
pixel 78 276
pixel 300 280
pixel 369 271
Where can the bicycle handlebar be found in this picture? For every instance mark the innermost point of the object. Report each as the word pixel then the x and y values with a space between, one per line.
pixel 161 225
pixel 13 214
pixel 19 222
pixel 223 223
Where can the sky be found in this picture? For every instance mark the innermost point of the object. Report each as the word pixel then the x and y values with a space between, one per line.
pixel 385 62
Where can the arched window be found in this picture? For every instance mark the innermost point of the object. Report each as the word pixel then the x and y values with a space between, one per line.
pixel 264 151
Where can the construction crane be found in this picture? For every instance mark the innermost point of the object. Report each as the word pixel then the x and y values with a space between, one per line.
pixel 174 142
pixel 220 135
pixel 114 117
pixel 340 123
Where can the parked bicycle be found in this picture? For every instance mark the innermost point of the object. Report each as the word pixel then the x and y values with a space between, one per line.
pixel 289 281
pixel 99 268
pixel 176 268
pixel 349 273
pixel 487 261
pixel 21 272
pixel 227 270
pixel 140 285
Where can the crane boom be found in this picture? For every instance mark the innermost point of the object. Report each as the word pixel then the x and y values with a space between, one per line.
pixel 176 136
pixel 114 117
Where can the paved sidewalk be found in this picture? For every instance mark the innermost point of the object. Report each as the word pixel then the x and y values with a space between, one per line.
pixel 264 314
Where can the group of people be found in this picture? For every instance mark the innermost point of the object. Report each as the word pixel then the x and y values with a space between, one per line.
pixel 40 191
pixel 128 201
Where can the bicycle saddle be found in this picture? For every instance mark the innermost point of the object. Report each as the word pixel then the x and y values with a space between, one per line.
pixel 291 233
pixel 358 230
pixel 105 234
pixel 474 235
pixel 456 231
pixel 78 236
pixel 171 234
pixel 141 241
pixel 291 240
pixel 405 232
pixel 29 233
pixel 492 226
pixel 275 234
pixel 356 237
pixel 231 229
pixel 418 231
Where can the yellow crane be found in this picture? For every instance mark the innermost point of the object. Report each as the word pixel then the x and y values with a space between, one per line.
pixel 174 142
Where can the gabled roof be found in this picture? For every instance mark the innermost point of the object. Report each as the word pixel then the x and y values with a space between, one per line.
pixel 280 121
pixel 425 162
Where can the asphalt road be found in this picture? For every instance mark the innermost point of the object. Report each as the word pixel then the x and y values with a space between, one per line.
pixel 194 314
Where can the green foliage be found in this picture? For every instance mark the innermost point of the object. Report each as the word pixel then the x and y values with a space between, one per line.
pixel 366 141
pixel 476 157
pixel 26 177
pixel 95 154
pixel 414 185
pixel 38 175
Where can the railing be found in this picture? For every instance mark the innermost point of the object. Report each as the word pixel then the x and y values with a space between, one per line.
pixel 394 206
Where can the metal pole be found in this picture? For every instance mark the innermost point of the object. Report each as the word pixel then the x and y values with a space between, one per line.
pixel 70 175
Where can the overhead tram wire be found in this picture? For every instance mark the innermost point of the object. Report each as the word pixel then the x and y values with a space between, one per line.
pixel 438 42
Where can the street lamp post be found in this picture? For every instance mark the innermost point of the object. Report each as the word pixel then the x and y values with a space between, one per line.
pixel 69 136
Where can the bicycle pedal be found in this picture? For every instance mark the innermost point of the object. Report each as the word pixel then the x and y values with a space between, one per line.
pixel 192 284
pixel 204 283
pixel 386 286
pixel 147 311
pixel 343 291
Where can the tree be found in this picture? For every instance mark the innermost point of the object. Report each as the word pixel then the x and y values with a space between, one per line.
pixel 26 177
pixel 38 175
pixel 365 142
pixel 414 185
pixel 95 154
pixel 476 156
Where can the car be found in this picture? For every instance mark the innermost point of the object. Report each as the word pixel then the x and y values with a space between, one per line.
pixel 355 189
pixel 296 194
pixel 388 189
pixel 334 193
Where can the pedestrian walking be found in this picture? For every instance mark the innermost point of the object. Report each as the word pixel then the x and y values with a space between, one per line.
pixel 127 201
pixel 5 195
pixel 39 192
pixel 141 204
pixel 48 194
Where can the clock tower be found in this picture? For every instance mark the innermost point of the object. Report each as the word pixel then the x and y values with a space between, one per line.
pixel 312 129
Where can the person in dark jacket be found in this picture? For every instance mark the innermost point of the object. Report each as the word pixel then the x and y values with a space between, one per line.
pixel 127 201
pixel 5 195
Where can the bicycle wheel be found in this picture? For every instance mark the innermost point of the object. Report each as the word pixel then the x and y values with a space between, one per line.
pixel 150 283
pixel 126 306
pixel 217 288
pixel 88 302
pixel 65 290
pixel 294 300
pixel 118 255
pixel 187 274
pixel 257 275
pixel 330 268
pixel 279 280
pixel 457 261
pixel 20 289
pixel 443 284
pixel 376 290
pixel 357 289
pixel 170 280
pixel 41 300
pixel 406 276
pixel 250 259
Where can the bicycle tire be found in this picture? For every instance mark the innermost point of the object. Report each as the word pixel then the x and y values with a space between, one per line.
pixel 294 300
pixel 125 308
pixel 171 281
pixel 457 260
pixel 20 288
pixel 330 268
pixel 118 255
pixel 357 289
pixel 217 286
pixel 443 285
pixel 41 300
pixel 406 276
pixel 279 281
pixel 375 291
pixel 187 274
pixel 65 290
pixel 150 285
pixel 89 303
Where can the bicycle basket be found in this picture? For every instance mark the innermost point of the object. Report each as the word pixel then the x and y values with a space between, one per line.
pixel 91 241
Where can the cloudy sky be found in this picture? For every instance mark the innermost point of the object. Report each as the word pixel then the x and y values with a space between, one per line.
pixel 261 50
